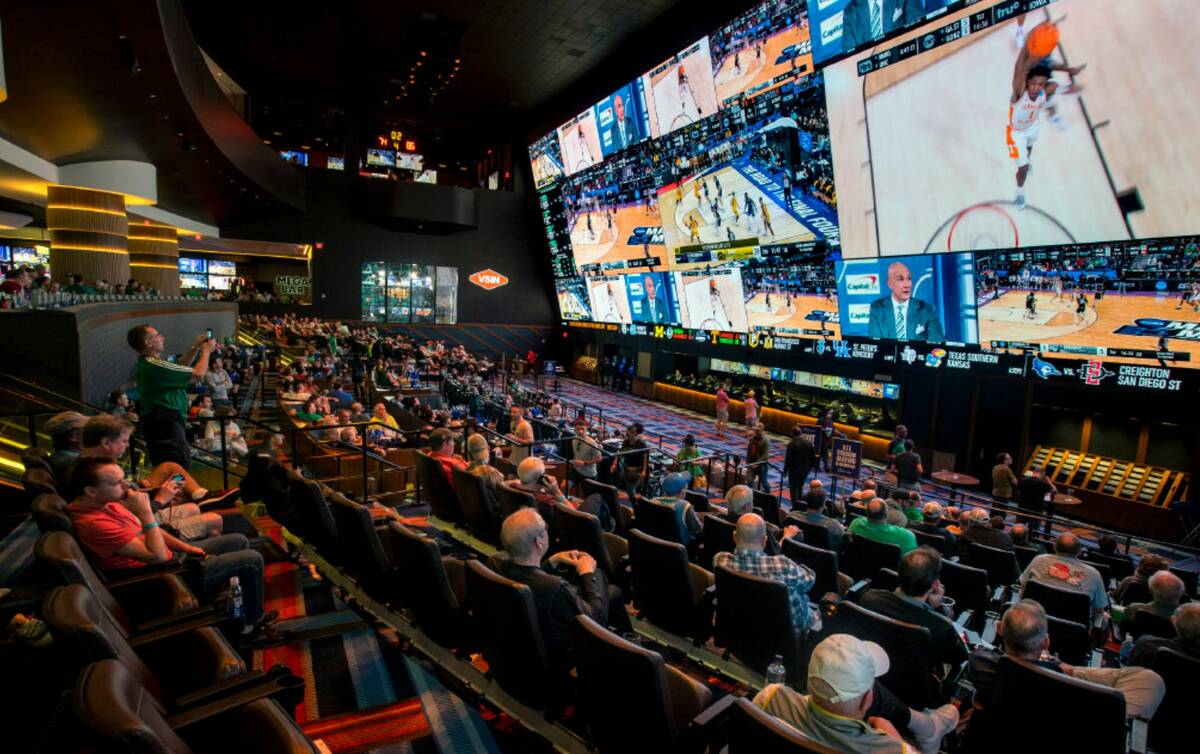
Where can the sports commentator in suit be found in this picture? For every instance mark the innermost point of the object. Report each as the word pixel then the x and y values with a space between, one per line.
pixel 655 308
pixel 917 319
pixel 867 20
pixel 623 132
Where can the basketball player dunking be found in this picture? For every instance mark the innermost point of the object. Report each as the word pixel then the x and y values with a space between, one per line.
pixel 715 303
pixel 686 95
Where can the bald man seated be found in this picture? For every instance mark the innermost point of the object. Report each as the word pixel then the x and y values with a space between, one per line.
pixel 526 542
pixel 1065 570
pixel 1166 592
pixel 1185 641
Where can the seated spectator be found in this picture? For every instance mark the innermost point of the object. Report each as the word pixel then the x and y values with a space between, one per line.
pixel 120 406
pixel 978 529
pixel 1020 538
pixel 200 403
pixel 749 556
pixel 66 433
pixel 1107 545
pixel 848 710
pixel 685 515
pixel 875 526
pixel 358 413
pixel 526 541
pixel 896 503
pixel 996 522
pixel 115 524
pixel 1139 582
pixel 441 448
pixel 340 392
pixel 1166 592
pixel 108 437
pixel 918 600
pixel 739 500
pixel 815 501
pixel 1026 634
pixel 235 443
pixel 931 523
pixel 1065 570
pixel 1186 639
pixel 219 383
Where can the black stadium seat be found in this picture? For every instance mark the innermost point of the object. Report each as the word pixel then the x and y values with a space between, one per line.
pixel 815 535
pixel 1146 622
pixel 667 589
pixel 910 676
pixel 865 556
pixel 433 587
pixel 579 530
pixel 115 711
pixel 1171 731
pixel 1061 603
pixel 474 499
pixel 754 621
pixel 656 519
pixel 657 700
pixel 436 490
pixel 824 564
pixel 313 517
pixel 365 556
pixel 507 622
pixel 50 514
pixel 717 537
pixel 968 587
pixel 1098 710
pixel 1001 565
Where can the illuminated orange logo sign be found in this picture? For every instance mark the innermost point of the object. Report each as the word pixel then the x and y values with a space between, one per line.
pixel 488 279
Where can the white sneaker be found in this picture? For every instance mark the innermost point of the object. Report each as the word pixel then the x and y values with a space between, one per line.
pixel 1059 122
pixel 1020 201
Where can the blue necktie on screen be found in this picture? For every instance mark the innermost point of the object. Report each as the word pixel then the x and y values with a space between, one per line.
pixel 876 19
pixel 901 329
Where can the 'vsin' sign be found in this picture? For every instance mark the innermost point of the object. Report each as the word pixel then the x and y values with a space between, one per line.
pixel 488 279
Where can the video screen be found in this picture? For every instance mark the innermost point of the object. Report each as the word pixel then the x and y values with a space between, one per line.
pixel 760 49
pixel 381 157
pixel 1095 301
pixel 409 161
pixel 335 163
pixel 193 281
pixel 621 119
pixel 613 218
pixel 924 299
pixel 426 176
pixel 217 267
pixel 795 297
pixel 545 155
pixel 652 298
pixel 579 142
pixel 5 255
pixel 573 301
pixel 680 91
pixel 609 299
pixel 712 299
pixel 220 282
pixel 771 184
pixel 992 128
pixel 296 158
pixel 34 256
pixel 192 264
pixel 843 26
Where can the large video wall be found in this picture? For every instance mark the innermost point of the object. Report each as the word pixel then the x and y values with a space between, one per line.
pixel 989 175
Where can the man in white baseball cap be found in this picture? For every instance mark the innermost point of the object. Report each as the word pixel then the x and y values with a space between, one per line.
pixel 842 709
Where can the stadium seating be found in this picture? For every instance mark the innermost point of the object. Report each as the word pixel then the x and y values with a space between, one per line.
pixel 669 591
pixel 754 622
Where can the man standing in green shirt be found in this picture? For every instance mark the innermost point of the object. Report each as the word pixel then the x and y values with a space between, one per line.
pixel 876 527
pixel 163 388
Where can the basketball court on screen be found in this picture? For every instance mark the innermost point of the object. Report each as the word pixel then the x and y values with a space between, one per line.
pixel 937 121
pixel 802 312
pixel 757 68
pixel 1004 318
pixel 680 206
pixel 632 225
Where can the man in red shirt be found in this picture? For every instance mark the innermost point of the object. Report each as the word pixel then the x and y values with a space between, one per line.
pixel 114 522
pixel 441 447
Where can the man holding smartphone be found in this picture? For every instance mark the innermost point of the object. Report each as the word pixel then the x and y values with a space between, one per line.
pixel 163 388
pixel 115 523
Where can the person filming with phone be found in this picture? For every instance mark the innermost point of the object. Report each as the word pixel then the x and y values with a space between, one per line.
pixel 163 387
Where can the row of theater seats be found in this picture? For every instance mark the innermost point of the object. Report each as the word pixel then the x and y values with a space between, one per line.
pixel 675 589
pixel 151 668
pixel 467 608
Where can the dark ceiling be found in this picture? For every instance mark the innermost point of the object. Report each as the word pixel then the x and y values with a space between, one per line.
pixel 485 62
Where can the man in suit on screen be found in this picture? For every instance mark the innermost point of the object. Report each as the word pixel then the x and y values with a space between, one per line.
pixel 899 316
pixel 623 132
pixel 866 20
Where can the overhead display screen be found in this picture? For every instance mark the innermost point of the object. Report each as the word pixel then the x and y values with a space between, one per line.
pixel 993 128
pixel 895 180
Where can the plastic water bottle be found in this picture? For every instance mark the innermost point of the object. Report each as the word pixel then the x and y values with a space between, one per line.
pixel 236 610
pixel 776 672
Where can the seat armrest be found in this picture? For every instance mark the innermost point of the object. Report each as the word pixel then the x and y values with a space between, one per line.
pixel 617 547
pixel 701 579
pixel 235 685
pixel 715 714
pixel 214 706
pixel 177 625
pixel 688 696
pixel 205 611
pixel 857 590
pixel 145 573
